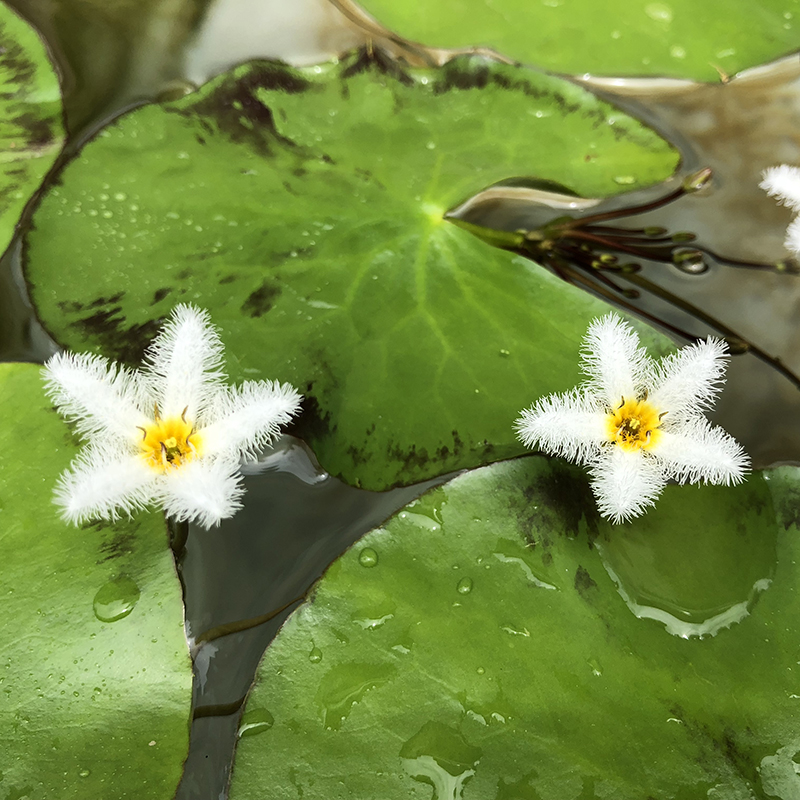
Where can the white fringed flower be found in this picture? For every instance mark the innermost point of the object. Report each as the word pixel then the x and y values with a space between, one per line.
pixel 171 434
pixel 635 423
pixel 783 182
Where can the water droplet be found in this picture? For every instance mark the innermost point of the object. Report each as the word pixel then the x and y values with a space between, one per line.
pixel 84 773
pixel 368 557
pixel 344 685
pixel 464 586
pixel 116 599
pixel 120 196
pixel 625 180
pixel 255 721
pixel 525 568
pixel 370 623
pixel 439 755
pixel 481 671
pixel 315 656
pixel 676 51
pixel 687 595
pixel 505 353
pixel 689 260
pixel 660 12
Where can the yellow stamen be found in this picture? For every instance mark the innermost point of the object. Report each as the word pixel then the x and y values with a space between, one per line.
pixel 634 425
pixel 166 443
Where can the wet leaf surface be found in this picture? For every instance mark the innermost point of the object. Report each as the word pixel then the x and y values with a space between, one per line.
pixel 496 639
pixel 304 209
pixel 675 38
pixel 95 678
pixel 31 131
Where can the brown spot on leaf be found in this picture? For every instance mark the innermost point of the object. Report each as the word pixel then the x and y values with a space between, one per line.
pixel 240 111
pixel 313 424
pixel 261 300
pixel 583 581
pixel 120 544
pixel 117 339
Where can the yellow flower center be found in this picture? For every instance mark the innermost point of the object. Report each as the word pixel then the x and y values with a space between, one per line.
pixel 634 425
pixel 169 443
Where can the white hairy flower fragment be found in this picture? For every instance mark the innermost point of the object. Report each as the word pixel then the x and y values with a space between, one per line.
pixel 783 182
pixel 637 423
pixel 171 434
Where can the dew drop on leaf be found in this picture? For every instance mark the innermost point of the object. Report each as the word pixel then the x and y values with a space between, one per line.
pixel 256 721
pixel 116 599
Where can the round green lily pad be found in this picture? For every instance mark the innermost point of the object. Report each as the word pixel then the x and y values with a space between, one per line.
pixel 95 677
pixel 304 209
pixel 674 38
pixel 504 642
pixel 31 129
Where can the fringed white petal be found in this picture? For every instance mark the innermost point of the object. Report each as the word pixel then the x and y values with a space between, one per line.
pixel 625 483
pixel 613 361
pixel 690 378
pixel 102 399
pixel 205 491
pixel 792 241
pixel 103 482
pixel 248 418
pixel 569 425
pixel 700 452
pixel 783 182
pixel 184 364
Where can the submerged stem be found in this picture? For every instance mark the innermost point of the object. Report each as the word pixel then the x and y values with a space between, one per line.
pixel 178 535
pixel 218 709
pixel 243 624
pixel 737 342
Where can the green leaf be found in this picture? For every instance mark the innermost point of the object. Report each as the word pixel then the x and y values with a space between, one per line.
pixel 678 38
pixel 304 208
pixel 114 53
pixel 500 641
pixel 31 131
pixel 95 679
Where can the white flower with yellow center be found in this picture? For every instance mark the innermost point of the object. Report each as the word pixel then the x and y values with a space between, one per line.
pixel 171 434
pixel 637 424
pixel 783 182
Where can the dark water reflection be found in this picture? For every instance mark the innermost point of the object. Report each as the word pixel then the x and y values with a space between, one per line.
pixel 296 520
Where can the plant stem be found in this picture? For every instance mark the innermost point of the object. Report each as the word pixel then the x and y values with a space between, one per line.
pixel 243 624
